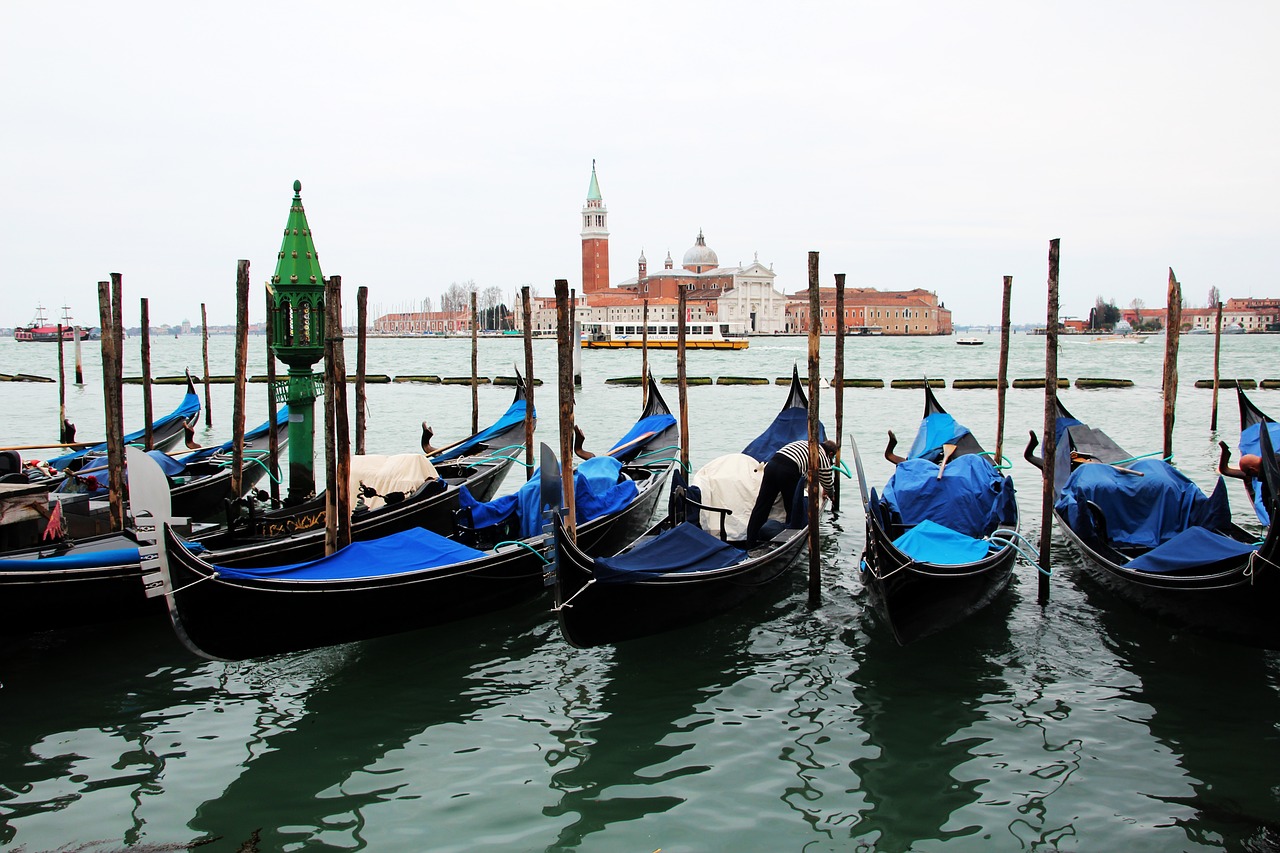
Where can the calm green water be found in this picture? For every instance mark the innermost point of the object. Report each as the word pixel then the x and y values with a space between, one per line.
pixel 1080 725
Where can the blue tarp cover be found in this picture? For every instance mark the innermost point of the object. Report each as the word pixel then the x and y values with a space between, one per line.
pixel 972 497
pixel 934 543
pixel 596 492
pixel 936 430
pixel 1251 442
pixel 1194 548
pixel 1141 511
pixel 514 415
pixel 412 550
pixel 652 424
pixel 83 559
pixel 684 548
pixel 170 466
pixel 790 425
pixel 189 407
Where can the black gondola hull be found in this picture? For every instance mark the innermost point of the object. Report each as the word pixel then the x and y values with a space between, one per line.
pixel 1238 604
pixel 918 599
pixel 595 614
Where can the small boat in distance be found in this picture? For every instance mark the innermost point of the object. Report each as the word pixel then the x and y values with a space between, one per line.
pixel 664 336
pixel 40 329
pixel 970 342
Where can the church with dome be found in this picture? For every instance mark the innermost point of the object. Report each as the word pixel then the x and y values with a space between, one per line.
pixel 742 297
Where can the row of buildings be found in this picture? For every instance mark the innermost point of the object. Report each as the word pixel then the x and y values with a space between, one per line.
pixel 741 299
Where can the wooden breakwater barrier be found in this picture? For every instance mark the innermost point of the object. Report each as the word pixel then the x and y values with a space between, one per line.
pixel 23 377
pixel 1100 382
pixel 1270 384
pixel 422 379
pixel 625 380
pixel 463 380
pixel 742 380
pixel 1038 383
pixel 918 383
pixel 1246 384
pixel 976 383
pixel 689 380
pixel 511 381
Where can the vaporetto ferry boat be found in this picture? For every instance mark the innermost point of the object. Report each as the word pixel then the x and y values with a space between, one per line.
pixel 664 336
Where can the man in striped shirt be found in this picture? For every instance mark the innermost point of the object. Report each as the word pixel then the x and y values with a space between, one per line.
pixel 782 474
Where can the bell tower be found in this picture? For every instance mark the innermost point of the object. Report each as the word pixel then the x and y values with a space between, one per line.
pixel 595 239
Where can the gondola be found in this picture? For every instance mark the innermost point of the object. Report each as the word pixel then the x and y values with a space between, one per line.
pixel 1155 539
pixel 97 578
pixel 68 580
pixel 676 573
pixel 293 534
pixel 411 579
pixel 940 542
pixel 166 432
pixel 201 479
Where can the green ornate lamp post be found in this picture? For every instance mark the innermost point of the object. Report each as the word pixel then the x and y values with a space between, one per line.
pixel 297 324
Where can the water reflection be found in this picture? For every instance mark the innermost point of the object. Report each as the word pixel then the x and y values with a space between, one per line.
pixel 635 710
pixel 1203 700
pixel 83 711
pixel 296 783
pixel 917 706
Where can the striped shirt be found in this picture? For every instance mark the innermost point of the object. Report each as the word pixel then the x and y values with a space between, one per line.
pixel 798 452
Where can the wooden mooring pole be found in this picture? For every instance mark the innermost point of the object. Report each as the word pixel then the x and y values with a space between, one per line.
pixel 1050 421
pixel 111 401
pixel 644 356
pixel 1172 329
pixel 147 410
pixel 1217 353
pixel 242 370
pixel 79 360
pixel 838 382
pixel 362 319
pixel 475 369
pixel 62 390
pixel 526 315
pixel 564 374
pixel 204 345
pixel 337 438
pixel 682 382
pixel 815 490
pixel 1002 373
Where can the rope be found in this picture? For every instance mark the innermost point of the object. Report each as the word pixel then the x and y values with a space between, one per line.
pixel 1256 556
pixel 193 583
pixel 526 546
pixel 1007 463
pixel 568 601
pixel 1015 540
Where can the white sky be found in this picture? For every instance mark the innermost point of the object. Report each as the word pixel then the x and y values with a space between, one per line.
pixel 936 145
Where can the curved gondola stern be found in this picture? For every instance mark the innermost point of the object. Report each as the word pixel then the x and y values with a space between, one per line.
pixel 796 398
pixel 151 502
pixel 1249 413
pixel 655 404
pixel 931 404
pixel 573 576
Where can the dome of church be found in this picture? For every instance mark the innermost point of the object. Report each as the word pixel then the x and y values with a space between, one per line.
pixel 700 257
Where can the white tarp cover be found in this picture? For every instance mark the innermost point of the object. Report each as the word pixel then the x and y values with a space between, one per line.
pixel 732 481
pixel 403 472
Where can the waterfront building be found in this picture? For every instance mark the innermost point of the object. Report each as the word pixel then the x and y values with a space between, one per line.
pixel 870 311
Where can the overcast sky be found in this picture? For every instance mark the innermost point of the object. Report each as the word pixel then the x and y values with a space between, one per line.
pixel 935 145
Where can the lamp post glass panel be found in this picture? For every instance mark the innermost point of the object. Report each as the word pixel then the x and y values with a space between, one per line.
pixel 297 325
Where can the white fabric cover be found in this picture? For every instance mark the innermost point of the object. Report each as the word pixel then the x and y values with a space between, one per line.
pixel 732 481
pixel 403 472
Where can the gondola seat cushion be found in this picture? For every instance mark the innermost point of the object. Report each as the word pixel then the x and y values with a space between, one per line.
pixel 683 548
pixel 401 472
pixel 732 481
pixel 1194 549
pixel 928 542
pixel 972 497
pixel 1141 511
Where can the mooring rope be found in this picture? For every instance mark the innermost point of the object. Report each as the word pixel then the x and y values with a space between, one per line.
pixel 568 602
pixel 193 583
pixel 1015 540
pixel 524 545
